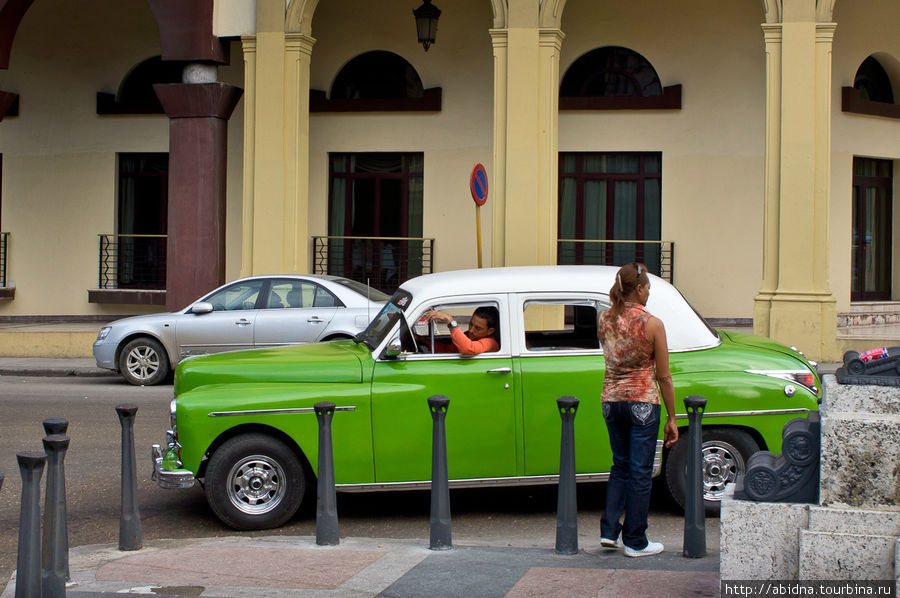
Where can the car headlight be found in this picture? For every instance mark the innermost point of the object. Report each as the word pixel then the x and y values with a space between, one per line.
pixel 104 332
pixel 172 414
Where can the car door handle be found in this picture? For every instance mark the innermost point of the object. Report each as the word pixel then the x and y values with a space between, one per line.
pixel 315 320
pixel 499 371
pixel 242 322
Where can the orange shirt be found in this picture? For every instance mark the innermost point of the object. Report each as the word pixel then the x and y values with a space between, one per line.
pixel 463 344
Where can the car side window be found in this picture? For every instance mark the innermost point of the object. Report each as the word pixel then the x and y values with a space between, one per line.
pixel 435 337
pixel 561 325
pixel 299 294
pixel 241 295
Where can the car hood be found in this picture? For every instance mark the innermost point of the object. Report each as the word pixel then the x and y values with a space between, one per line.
pixel 335 361
pixel 739 352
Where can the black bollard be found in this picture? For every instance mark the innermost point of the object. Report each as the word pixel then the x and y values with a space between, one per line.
pixel 56 425
pixel 694 510
pixel 55 545
pixel 1 481
pixel 326 506
pixel 28 565
pixel 567 501
pixel 130 519
pixel 440 486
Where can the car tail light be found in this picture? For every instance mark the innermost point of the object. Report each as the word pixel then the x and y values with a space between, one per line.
pixel 803 377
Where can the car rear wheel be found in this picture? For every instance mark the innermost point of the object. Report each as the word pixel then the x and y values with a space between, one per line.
pixel 725 453
pixel 143 362
pixel 254 481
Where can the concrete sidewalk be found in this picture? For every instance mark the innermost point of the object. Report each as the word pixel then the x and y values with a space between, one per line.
pixel 51 366
pixel 278 566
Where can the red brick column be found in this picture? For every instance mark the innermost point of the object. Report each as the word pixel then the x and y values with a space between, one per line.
pixel 198 144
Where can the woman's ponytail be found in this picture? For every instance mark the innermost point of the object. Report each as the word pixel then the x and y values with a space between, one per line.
pixel 628 278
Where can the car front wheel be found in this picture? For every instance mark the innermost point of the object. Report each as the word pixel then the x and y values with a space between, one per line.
pixel 254 481
pixel 725 452
pixel 143 362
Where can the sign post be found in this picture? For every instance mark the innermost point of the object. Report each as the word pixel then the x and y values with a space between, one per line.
pixel 478 184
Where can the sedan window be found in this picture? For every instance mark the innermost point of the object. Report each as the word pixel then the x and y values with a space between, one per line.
pixel 241 295
pixel 561 325
pixel 300 294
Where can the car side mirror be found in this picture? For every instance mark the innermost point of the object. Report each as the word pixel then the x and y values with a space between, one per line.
pixel 394 348
pixel 201 307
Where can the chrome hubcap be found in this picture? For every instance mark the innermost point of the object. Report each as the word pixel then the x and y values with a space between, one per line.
pixel 142 362
pixel 722 463
pixel 256 484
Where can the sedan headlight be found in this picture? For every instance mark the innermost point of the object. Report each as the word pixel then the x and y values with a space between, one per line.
pixel 803 377
pixel 104 332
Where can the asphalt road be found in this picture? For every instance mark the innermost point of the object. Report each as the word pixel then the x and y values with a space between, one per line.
pixel 514 516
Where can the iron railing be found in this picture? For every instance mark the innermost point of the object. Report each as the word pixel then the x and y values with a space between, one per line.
pixel 382 262
pixel 132 262
pixel 659 256
pixel 4 244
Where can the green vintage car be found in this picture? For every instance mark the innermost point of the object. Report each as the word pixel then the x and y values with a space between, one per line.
pixel 243 422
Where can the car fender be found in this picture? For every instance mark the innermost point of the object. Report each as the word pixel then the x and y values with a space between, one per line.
pixel 165 337
pixel 207 416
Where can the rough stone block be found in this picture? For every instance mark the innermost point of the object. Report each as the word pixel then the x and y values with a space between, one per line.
pixel 854 521
pixel 759 540
pixel 828 555
pixel 860 464
pixel 859 398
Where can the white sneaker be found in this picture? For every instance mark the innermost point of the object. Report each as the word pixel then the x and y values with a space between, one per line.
pixel 610 543
pixel 651 549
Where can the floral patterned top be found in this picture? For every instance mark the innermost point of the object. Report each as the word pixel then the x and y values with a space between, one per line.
pixel 630 364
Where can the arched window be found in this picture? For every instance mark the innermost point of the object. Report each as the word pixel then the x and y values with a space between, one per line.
pixel 873 82
pixel 376 81
pixel 136 95
pixel 873 92
pixel 611 71
pixel 377 75
pixel 615 78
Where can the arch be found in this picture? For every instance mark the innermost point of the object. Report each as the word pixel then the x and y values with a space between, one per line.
pixel 774 11
pixel 135 94
pixel 377 75
pixel 299 14
pixel 551 13
pixel 11 13
pixel 874 82
pixel 611 71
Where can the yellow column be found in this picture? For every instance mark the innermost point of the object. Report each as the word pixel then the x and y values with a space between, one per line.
pixel 499 39
pixel 526 84
pixel 803 311
pixel 248 43
pixel 296 256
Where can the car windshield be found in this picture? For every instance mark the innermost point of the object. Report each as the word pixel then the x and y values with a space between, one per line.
pixel 386 319
pixel 363 289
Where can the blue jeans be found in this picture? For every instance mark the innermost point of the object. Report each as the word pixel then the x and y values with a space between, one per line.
pixel 633 431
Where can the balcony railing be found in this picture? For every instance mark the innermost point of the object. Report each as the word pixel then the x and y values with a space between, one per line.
pixel 658 256
pixel 382 262
pixel 4 244
pixel 132 262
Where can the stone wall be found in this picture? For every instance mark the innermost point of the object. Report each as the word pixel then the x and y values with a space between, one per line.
pixel 854 534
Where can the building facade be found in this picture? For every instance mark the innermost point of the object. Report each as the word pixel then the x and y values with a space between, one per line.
pixel 152 149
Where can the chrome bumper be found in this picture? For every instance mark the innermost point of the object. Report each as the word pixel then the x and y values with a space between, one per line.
pixel 168 478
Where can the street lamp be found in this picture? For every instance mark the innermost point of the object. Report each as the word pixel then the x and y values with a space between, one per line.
pixel 426 23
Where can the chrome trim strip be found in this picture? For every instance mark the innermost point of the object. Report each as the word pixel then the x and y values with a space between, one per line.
pixel 532 480
pixel 743 413
pixel 273 411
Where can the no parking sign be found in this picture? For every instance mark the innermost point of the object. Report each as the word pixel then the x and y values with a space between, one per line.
pixel 478 185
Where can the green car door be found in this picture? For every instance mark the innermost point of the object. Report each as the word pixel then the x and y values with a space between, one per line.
pixel 480 421
pixel 560 356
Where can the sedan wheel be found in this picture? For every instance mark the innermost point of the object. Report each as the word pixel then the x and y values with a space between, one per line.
pixel 724 457
pixel 143 362
pixel 254 481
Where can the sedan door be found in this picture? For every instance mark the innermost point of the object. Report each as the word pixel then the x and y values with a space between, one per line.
pixel 560 355
pixel 228 327
pixel 295 311
pixel 480 421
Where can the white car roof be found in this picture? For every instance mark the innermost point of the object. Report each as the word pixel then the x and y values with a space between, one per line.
pixel 685 329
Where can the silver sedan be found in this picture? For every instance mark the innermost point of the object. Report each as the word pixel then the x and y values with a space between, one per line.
pixel 260 311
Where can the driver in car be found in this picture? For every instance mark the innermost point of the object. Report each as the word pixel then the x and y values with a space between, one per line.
pixel 483 335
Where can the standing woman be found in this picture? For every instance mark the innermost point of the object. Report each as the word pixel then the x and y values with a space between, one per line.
pixel 637 360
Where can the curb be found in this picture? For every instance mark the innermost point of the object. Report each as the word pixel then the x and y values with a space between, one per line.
pixel 56 372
